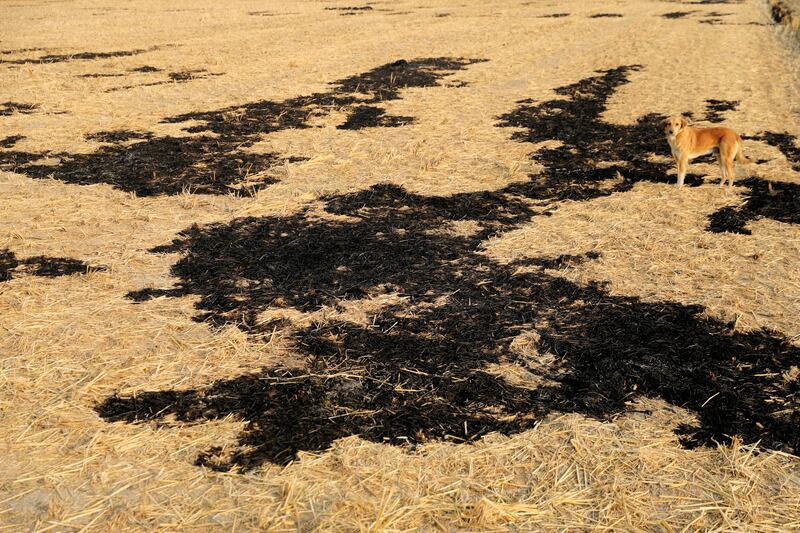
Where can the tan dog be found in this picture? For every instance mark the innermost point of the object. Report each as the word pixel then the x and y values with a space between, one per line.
pixel 687 143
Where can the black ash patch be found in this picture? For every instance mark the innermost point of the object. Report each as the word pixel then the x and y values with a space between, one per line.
pixel 11 266
pixel 187 75
pixel 216 159
pixel 358 8
pixel 9 108
pixel 372 117
pixel 160 165
pixel 594 158
pixel 774 200
pixel 560 262
pixel 146 69
pixel 10 141
pixel 605 15
pixel 79 56
pixel 21 50
pixel 101 75
pixel 677 14
pixel 418 371
pixel 785 142
pixel 554 16
pixel 117 136
pixel 715 108
pixel 349 11
pixel 183 76
pixel 591 157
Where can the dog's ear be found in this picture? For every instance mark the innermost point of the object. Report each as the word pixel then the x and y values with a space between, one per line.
pixel 684 122
pixel 664 122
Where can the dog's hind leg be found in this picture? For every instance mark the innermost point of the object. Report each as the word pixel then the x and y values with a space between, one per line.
pixel 683 161
pixel 729 170
pixel 723 173
pixel 726 156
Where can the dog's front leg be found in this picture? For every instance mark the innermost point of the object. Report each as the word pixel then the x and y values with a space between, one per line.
pixel 683 162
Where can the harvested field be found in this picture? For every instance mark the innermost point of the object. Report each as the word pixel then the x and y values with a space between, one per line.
pixel 396 266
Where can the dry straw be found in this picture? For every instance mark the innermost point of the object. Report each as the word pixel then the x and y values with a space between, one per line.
pixel 67 343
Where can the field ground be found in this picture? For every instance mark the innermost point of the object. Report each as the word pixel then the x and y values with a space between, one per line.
pixel 396 266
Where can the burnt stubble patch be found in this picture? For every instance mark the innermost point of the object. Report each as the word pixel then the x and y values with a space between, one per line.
pixel 216 159
pixel 677 14
pixel 775 200
pixel 10 141
pixel 715 108
pixel 785 142
pixel 592 158
pixel 8 108
pixel 372 117
pixel 419 369
pixel 44 266
pixel 78 56
pixel 117 136
pixel 354 10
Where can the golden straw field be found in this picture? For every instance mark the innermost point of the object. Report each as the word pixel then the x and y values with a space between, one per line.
pixel 401 265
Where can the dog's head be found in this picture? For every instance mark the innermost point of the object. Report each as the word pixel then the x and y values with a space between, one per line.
pixel 674 124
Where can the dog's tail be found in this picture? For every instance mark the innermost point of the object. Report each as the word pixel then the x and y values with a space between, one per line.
pixel 740 157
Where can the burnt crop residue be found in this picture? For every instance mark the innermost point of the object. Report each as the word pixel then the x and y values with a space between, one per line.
pixel 704 2
pixel 117 136
pixel 41 265
pixel 10 141
pixel 593 157
pixel 778 201
pixel 606 15
pixel 8 108
pixel 21 50
pixel 715 108
pixel 183 76
pixel 424 367
pixel 356 10
pixel 186 75
pixel 420 369
pixel 554 16
pixel 785 142
pixel 372 117
pixel 216 159
pixel 677 14
pixel 145 69
pixel 102 75
pixel 78 56
pixel 160 165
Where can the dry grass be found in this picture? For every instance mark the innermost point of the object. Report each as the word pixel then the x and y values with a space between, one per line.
pixel 67 343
